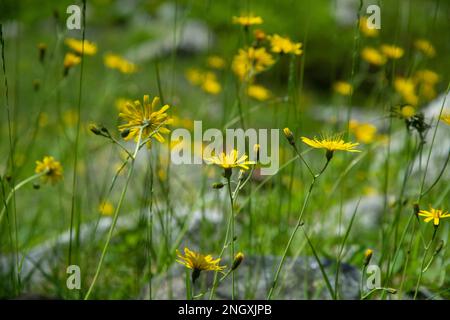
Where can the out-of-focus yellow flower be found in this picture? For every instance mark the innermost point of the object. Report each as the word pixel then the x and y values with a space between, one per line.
pixel 120 103
pixel 76 45
pixel 117 62
pixel 364 132
pixel 446 118
pixel 206 80
pixel 406 111
pixel 216 62
pixel 210 84
pixel 258 92
pixel 143 117
pixel 70 118
pixel 284 45
pixel 426 76
pixel 365 30
pixel 106 208
pixel 406 88
pixel 373 56
pixel 259 34
pixel 343 88
pixel 71 60
pixel 43 119
pixel 391 51
pixel 425 47
pixel 50 168
pixel 247 21
pixel 434 214
pixel 251 61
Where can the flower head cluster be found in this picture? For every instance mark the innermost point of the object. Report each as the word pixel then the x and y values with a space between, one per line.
pixel 198 262
pixel 284 45
pixel 331 143
pixel 142 117
pixel 76 45
pixel 251 61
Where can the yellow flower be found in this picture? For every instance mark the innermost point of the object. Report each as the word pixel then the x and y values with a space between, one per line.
pixel 406 88
pixel 115 61
pixel 106 208
pixel 407 111
pixel 194 76
pixel 247 20
pixel 249 62
pixel 391 51
pixel 446 118
pixel 425 47
pixel 426 76
pixel 365 30
pixel 143 116
pixel 210 83
pixel 434 214
pixel 90 48
pixel 197 261
pixel 373 56
pixel 364 132
pixel 71 60
pixel 50 168
pixel 367 256
pixel 284 45
pixel 259 34
pixel 70 118
pixel 331 143
pixel 258 92
pixel 216 62
pixel 343 88
pixel 232 160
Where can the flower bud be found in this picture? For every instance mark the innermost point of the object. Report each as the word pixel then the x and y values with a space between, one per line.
pixel 289 136
pixel 42 47
pixel 367 256
pixel 218 185
pixel 237 260
pixel 256 148
pixel 95 130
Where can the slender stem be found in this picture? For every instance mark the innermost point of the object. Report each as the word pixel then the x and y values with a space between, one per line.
pixel 230 193
pixel 291 238
pixel 14 190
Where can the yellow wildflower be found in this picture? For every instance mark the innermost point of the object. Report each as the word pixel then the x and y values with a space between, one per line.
pixel 90 48
pixel 364 132
pixel 425 47
pixel 373 56
pixel 284 45
pixel 247 20
pixel 343 88
pixel 434 214
pixel 50 168
pixel 258 92
pixel 406 88
pixel 391 51
pixel 115 61
pixel 144 117
pixel 407 111
pixel 331 143
pixel 251 61
pixel 210 83
pixel 198 262
pixel 232 160
pixel 446 118
pixel 71 60
pixel 365 30
pixel 106 208
pixel 216 62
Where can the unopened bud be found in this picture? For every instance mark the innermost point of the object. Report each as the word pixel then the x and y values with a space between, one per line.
pixel 218 185
pixel 416 209
pixel 289 136
pixel 42 47
pixel 95 130
pixel 367 256
pixel 237 260
pixel 256 148
pixel 125 133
